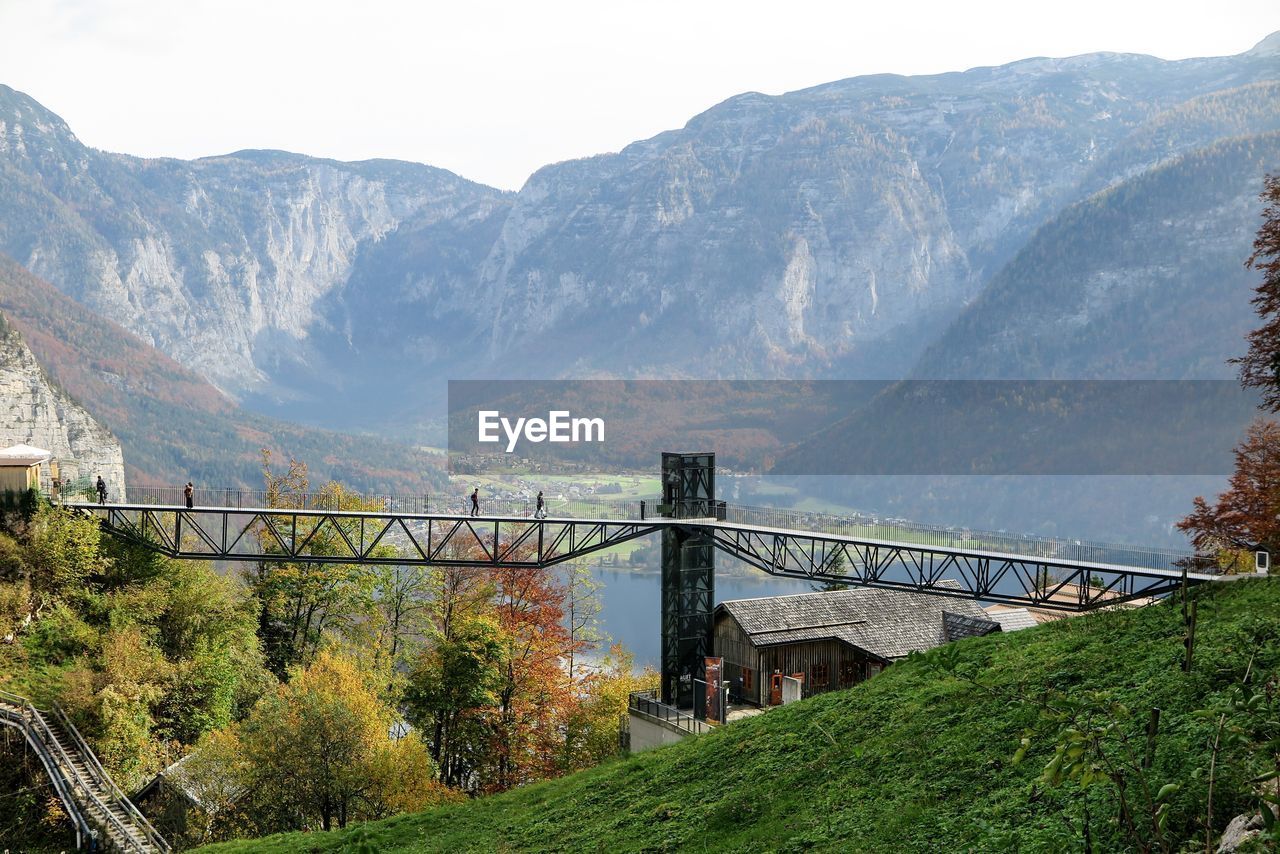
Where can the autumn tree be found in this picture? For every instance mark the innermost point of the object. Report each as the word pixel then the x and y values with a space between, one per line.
pixel 595 724
pixel 205 626
pixel 582 616
pixel 452 681
pixel 534 698
pixel 319 752
pixel 399 620
pixel 452 692
pixel 1247 514
pixel 1260 367
pixel 59 552
pixel 145 653
pixel 302 603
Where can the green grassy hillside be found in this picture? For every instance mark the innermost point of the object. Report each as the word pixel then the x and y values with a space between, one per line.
pixel 913 760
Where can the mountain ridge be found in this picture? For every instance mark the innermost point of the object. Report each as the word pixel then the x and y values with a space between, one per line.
pixel 831 231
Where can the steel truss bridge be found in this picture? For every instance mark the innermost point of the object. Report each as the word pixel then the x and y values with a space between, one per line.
pixel 1040 573
pixel 447 539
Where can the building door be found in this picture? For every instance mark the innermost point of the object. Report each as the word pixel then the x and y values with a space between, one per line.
pixel 775 689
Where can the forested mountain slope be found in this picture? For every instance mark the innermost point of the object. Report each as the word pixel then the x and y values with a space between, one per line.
pixel 1144 280
pixel 173 424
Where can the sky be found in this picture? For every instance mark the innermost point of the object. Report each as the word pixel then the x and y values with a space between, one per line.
pixel 494 90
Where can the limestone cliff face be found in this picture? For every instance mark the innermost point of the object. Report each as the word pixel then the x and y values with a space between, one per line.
pixel 33 411
pixel 222 262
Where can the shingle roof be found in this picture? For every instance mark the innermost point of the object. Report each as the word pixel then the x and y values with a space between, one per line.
pixel 199 791
pixel 1013 619
pixel 886 623
pixel 957 626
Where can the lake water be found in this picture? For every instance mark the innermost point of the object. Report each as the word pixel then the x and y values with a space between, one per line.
pixel 631 604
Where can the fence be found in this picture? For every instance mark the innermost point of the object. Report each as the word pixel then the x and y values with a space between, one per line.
pixel 647 703
pixel 458 504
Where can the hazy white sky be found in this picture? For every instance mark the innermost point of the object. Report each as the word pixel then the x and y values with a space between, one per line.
pixel 494 89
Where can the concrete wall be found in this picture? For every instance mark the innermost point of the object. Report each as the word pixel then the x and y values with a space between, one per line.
pixel 648 733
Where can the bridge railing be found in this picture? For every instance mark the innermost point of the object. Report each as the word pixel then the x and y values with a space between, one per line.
pixel 246 499
pixel 124 835
pixel 450 503
pixel 104 780
pixel 875 528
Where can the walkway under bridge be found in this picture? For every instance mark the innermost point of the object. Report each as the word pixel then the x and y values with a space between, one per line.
pixel 1063 575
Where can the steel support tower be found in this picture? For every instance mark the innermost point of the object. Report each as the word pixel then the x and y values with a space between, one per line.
pixel 688 573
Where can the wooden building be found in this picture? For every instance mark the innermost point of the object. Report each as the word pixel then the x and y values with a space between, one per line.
pixel 833 639
pixel 20 468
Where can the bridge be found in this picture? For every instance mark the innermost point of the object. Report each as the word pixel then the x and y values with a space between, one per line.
pixel 1063 575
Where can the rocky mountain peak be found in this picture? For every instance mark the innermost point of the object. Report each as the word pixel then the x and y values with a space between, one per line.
pixel 1270 46
pixel 27 127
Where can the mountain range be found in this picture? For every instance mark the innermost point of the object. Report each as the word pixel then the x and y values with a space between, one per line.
pixel 1082 217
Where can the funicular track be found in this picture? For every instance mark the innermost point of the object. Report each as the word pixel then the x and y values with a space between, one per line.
pixel 104 819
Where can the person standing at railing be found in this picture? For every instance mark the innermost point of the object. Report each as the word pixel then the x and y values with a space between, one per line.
pixel 540 512
pixel 189 493
pixel 475 502
pixel 102 490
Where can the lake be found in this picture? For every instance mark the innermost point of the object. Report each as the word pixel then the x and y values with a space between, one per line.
pixel 631 603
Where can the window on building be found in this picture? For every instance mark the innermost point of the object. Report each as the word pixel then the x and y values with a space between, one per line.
pixel 848 672
pixel 873 668
pixel 819 675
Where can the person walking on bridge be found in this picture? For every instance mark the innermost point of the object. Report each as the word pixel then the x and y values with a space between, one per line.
pixel 189 493
pixel 475 502
pixel 102 490
pixel 541 511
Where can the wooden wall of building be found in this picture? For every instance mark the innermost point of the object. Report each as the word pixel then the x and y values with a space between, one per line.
pixel 19 478
pixel 741 659
pixel 827 665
